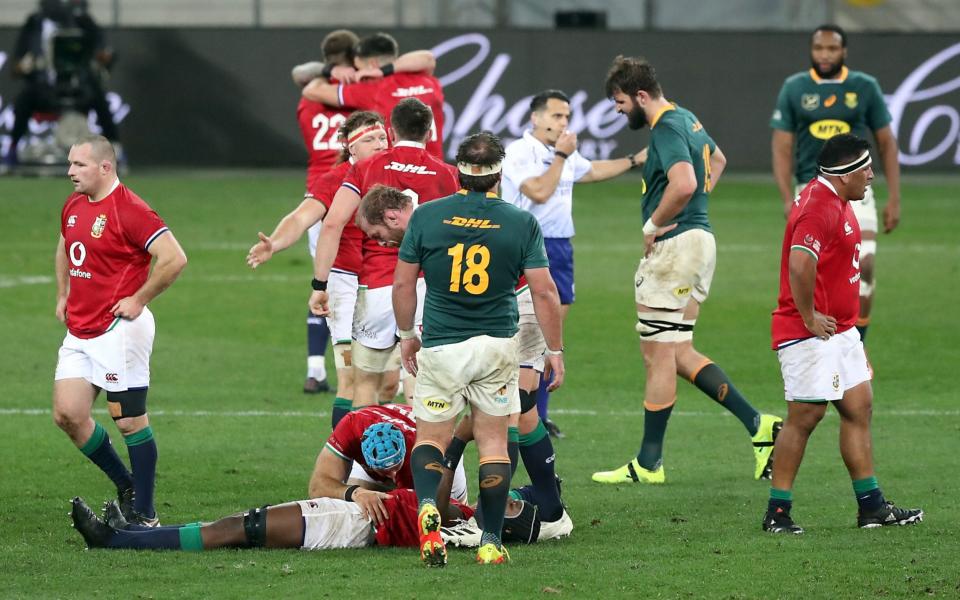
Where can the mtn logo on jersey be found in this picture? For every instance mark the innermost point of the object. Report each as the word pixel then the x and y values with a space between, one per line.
pixel 416 90
pixel 404 168
pixel 98 226
pixel 475 223
pixel 827 128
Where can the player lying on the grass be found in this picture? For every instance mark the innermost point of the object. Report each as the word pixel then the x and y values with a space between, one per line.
pixel 378 441
pixel 317 524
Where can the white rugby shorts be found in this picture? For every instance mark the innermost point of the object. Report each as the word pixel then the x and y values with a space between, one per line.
pixel 333 523
pixel 678 268
pixel 342 297
pixel 116 361
pixel 374 324
pixel 816 370
pixel 482 371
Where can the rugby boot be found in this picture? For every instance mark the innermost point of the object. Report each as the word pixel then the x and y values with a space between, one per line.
pixel 889 514
pixel 95 532
pixel 433 553
pixel 631 472
pixel 770 426
pixel 489 554
pixel 779 521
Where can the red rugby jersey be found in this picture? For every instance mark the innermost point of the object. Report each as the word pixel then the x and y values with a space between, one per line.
pixel 823 225
pixel 345 439
pixel 106 243
pixel 324 188
pixel 400 529
pixel 320 126
pixel 381 95
pixel 410 168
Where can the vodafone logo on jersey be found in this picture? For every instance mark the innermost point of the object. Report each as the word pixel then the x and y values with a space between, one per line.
pixel 405 168
pixel 78 254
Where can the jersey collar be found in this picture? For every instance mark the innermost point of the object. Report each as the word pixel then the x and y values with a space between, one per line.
pixel 113 188
pixel 489 195
pixel 827 183
pixel 660 113
pixel 844 71
pixel 409 144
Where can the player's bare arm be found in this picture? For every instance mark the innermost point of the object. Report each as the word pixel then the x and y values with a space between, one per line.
pixel 889 154
pixel 344 204
pixel 803 279
pixel 329 473
pixel 781 149
pixel 546 305
pixel 681 184
pixel 409 62
pixel 601 170
pixel 321 90
pixel 718 162
pixel 287 231
pixel 404 308
pixel 63 280
pixel 540 188
pixel 170 260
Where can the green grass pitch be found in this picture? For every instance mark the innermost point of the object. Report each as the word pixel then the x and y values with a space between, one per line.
pixel 234 430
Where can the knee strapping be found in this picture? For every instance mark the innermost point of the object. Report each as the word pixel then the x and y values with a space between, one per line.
pixel 132 403
pixel 373 360
pixel 664 326
pixel 528 401
pixel 255 527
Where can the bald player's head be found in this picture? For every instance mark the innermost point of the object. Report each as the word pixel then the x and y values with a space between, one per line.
pixel 100 149
pixel 93 166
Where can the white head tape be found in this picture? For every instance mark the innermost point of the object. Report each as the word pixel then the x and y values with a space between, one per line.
pixel 479 170
pixel 862 162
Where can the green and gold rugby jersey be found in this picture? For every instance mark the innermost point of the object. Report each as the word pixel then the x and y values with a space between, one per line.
pixel 472 248
pixel 816 109
pixel 677 136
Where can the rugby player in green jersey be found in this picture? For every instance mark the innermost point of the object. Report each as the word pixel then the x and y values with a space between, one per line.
pixel 682 166
pixel 472 248
pixel 812 107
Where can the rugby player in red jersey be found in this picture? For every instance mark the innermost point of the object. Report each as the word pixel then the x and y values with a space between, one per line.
pixel 820 351
pixel 377 55
pixel 420 175
pixel 108 238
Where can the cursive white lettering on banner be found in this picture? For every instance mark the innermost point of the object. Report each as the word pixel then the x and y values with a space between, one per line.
pixel 908 92
pixel 489 110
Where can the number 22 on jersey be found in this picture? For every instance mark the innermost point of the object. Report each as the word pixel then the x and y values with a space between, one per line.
pixel 475 279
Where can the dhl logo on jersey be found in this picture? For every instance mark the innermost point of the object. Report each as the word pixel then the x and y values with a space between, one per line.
pixel 474 223
pixel 827 128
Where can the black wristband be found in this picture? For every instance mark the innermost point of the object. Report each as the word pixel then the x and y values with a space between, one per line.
pixel 327 70
pixel 387 69
pixel 633 160
pixel 563 155
pixel 348 494
pixel 317 285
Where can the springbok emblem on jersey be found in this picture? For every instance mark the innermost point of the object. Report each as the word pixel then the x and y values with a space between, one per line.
pixel 98 226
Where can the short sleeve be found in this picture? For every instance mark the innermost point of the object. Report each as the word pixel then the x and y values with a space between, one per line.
pixel 339 441
pixel 360 96
pixel 324 188
pixel 878 115
pixel 353 180
pixel 812 232
pixel 534 255
pixel 141 224
pixel 782 117
pixel 671 146
pixel 410 248
pixel 581 166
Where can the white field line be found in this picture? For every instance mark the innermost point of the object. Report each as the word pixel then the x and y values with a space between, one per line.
pixel 557 411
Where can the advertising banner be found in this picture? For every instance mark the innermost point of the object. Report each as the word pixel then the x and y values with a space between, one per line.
pixel 224 97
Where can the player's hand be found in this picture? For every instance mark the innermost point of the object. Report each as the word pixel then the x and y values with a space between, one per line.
pixel 127 308
pixel 553 363
pixel 344 74
pixel 408 355
pixel 62 309
pixel 891 216
pixel 319 303
pixel 641 157
pixel 567 142
pixel 821 325
pixel 371 503
pixel 369 73
pixel 260 252
pixel 649 239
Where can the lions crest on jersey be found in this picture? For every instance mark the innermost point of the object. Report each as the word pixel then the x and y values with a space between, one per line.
pixel 98 226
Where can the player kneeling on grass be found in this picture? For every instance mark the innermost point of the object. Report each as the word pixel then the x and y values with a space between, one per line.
pixel 472 248
pixel 821 354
